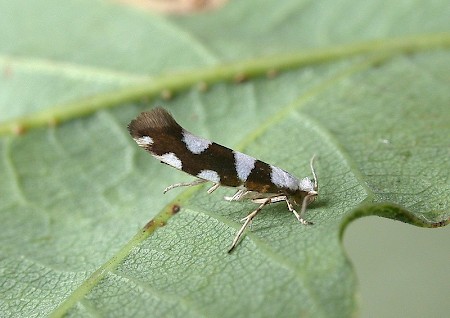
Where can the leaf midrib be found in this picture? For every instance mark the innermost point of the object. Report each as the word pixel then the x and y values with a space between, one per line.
pixel 222 73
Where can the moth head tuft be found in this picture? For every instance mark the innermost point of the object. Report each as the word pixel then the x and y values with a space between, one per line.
pixel 307 185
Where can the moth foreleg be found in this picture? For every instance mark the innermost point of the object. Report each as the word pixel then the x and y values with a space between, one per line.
pixel 297 215
pixel 185 184
pixel 289 205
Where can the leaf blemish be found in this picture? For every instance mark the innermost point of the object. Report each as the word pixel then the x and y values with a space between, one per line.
pixel 149 225
pixel 202 86
pixel 166 94
pixel 175 208
pixel 272 73
pixel 240 78
pixel 19 130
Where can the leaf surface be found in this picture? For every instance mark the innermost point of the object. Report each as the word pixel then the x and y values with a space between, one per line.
pixel 367 93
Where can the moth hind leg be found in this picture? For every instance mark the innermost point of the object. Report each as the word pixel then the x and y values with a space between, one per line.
pixel 192 183
pixel 247 221
pixel 213 188
pixel 185 184
pixel 238 195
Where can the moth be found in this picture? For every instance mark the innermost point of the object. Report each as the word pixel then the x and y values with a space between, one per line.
pixel 157 132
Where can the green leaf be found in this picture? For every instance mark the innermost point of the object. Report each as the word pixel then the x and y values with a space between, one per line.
pixel 367 93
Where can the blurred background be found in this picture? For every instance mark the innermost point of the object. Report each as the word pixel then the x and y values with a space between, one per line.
pixel 403 271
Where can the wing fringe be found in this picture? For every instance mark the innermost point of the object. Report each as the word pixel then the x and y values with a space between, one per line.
pixel 156 120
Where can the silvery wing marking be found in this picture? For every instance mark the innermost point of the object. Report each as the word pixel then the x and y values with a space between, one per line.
pixel 195 144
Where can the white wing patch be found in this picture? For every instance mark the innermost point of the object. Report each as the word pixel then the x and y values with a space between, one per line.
pixel 244 165
pixel 194 143
pixel 283 179
pixel 209 175
pixel 171 159
pixel 144 141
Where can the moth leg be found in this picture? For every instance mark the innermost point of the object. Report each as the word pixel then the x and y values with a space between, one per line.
pixel 248 219
pixel 213 188
pixel 302 211
pixel 275 199
pixel 238 195
pixel 185 184
pixel 290 206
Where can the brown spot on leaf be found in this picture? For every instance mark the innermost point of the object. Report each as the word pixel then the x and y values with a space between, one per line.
pixel 175 208
pixel 202 86
pixel 19 129
pixel 240 78
pixel 52 122
pixel 166 94
pixel 272 73
pixel 149 225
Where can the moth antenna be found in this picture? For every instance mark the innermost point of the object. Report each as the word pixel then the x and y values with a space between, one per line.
pixel 311 164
